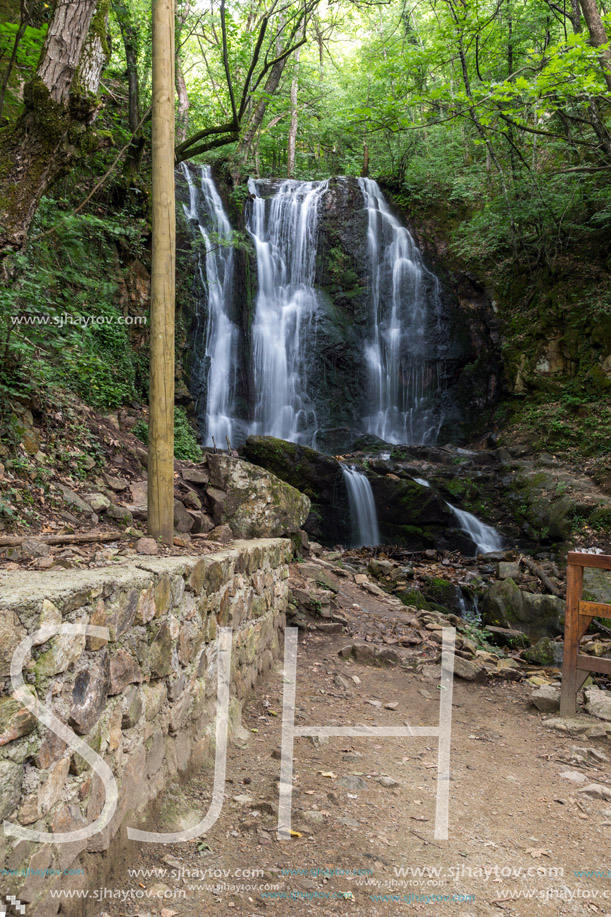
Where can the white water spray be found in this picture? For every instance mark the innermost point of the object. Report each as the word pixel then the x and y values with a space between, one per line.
pixel 403 365
pixel 363 515
pixel 215 266
pixel 284 230
pixel 485 537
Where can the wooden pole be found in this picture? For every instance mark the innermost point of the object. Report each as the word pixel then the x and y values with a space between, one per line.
pixel 570 676
pixel 163 262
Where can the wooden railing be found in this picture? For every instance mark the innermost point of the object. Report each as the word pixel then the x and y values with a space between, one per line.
pixel 577 666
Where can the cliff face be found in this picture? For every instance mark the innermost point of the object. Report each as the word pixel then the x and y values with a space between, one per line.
pixel 465 342
pixel 459 376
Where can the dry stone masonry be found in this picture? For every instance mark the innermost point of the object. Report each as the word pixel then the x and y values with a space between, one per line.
pixel 144 700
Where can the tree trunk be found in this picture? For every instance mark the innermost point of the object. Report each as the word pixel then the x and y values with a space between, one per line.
pixel 163 269
pixel 129 34
pixel 256 119
pixel 365 166
pixel 290 164
pixel 182 120
pixel 598 36
pixel 61 103
pixel 131 42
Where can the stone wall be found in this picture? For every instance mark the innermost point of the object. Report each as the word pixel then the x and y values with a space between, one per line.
pixel 144 700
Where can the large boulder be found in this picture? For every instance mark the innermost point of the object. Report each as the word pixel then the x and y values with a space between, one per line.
pixel 253 502
pixel 414 515
pixel 314 474
pixel 505 605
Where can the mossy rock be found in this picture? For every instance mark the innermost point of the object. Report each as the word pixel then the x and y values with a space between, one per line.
pixel 544 652
pixel 405 502
pixel 414 598
pixel 317 476
pixel 441 593
pixel 505 605
pixel 597 587
pixel 371 443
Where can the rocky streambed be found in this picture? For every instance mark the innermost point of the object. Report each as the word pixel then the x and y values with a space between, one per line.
pixel 398 607
pixel 538 502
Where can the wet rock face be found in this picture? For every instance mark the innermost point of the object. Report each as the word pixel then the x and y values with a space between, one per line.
pixel 410 513
pixel 463 365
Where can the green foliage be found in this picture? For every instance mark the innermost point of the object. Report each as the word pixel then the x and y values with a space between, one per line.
pixel 61 322
pixel 185 440
pixel 474 631
pixel 555 426
pixel 29 43
pixel 186 446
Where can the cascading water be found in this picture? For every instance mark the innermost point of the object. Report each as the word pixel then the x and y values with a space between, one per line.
pixel 485 537
pixel 384 339
pixel 284 230
pixel 403 364
pixel 363 515
pixel 215 267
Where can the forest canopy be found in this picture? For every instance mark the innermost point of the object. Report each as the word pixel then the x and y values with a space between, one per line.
pixel 497 111
pixel 487 122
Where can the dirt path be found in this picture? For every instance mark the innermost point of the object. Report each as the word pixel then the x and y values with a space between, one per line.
pixel 516 826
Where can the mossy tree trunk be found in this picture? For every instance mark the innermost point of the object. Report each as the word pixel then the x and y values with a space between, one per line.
pixel 61 103
pixel 131 44
pixel 598 36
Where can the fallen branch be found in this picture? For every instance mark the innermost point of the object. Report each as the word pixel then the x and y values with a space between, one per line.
pixel 9 541
pixel 536 569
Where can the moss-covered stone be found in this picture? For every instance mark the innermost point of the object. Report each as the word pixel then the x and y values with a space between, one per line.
pixel 440 592
pixel 314 474
pixel 544 652
pixel 505 605
pixel 414 598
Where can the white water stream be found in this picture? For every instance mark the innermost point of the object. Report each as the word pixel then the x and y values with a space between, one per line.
pixel 485 537
pixel 363 515
pixel 284 229
pixel 215 266
pixel 403 366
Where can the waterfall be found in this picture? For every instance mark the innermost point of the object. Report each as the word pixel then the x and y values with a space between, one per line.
pixel 484 537
pixel 284 230
pixel 363 515
pixel 402 360
pixel 215 268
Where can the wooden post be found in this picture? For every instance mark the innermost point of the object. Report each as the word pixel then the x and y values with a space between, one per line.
pixel 577 666
pixel 574 585
pixel 163 262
